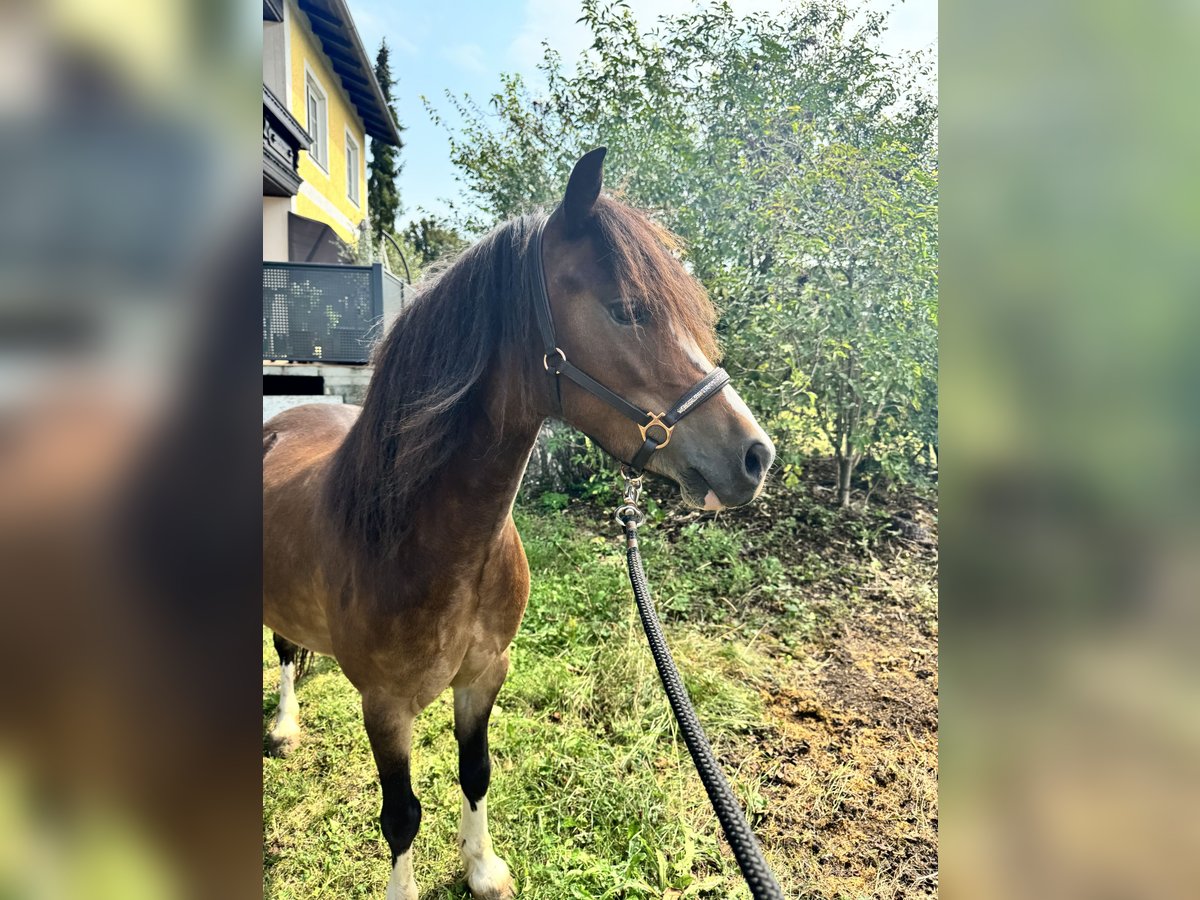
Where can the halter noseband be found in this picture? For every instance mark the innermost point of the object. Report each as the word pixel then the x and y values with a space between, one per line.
pixel 649 424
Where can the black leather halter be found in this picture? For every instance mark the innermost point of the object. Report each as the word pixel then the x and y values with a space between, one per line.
pixel 649 424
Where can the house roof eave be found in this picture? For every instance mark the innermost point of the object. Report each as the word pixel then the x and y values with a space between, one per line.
pixel 334 27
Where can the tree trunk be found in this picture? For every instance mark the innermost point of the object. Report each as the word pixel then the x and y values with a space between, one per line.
pixel 845 470
pixel 552 464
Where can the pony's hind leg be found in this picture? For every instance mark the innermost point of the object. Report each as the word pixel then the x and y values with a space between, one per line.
pixel 285 732
pixel 389 723
pixel 487 875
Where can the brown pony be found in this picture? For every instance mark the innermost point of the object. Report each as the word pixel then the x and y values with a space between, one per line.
pixel 388 538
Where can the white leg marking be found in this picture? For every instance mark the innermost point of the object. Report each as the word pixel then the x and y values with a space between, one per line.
pixel 487 875
pixel 402 885
pixel 286 729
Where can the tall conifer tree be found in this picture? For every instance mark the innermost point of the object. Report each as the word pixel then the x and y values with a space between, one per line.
pixel 383 197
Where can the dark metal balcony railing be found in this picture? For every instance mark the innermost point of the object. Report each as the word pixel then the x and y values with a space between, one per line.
pixel 321 313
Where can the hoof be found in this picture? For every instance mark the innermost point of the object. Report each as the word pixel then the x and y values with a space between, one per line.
pixel 491 880
pixel 282 745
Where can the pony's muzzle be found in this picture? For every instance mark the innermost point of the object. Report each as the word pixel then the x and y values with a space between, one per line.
pixel 744 479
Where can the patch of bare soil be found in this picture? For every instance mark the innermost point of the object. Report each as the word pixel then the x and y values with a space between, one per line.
pixel 851 785
pixel 849 768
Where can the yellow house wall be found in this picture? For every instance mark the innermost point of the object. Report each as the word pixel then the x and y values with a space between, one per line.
pixel 323 190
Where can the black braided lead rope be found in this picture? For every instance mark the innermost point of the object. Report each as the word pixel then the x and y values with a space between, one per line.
pixel 746 850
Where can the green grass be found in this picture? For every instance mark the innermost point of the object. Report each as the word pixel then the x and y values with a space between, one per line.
pixel 592 795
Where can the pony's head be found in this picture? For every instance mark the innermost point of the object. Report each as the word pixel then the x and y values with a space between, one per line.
pixel 629 314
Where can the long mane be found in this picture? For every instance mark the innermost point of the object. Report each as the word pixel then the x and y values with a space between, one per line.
pixel 426 396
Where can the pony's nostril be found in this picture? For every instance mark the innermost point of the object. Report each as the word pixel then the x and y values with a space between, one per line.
pixel 758 458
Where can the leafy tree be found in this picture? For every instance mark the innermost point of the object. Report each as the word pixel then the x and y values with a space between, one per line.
pixel 383 197
pixel 860 275
pixel 798 162
pixel 432 239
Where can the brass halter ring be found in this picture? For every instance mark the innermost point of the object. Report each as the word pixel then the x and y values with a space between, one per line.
pixel 656 419
pixel 546 359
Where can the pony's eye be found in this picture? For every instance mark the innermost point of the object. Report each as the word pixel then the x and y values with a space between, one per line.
pixel 631 314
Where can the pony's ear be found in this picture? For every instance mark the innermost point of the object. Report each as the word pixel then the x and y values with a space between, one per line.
pixel 583 188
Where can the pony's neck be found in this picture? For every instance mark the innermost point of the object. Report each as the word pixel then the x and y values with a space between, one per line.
pixel 479 484
pixel 452 411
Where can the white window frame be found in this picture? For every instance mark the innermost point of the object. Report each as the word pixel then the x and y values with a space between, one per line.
pixel 356 177
pixel 320 136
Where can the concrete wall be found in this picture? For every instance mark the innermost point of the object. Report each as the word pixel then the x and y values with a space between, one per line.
pixel 274 405
pixel 275 228
pixel 347 382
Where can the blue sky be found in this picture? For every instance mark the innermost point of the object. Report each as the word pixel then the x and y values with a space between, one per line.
pixel 463 46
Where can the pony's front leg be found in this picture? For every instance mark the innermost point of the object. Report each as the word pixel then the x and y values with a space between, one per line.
pixel 487 874
pixel 389 723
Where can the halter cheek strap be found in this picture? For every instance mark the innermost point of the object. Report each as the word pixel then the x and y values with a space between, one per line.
pixel 655 428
